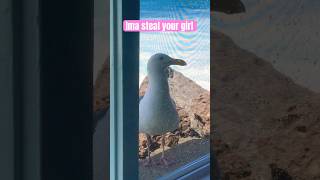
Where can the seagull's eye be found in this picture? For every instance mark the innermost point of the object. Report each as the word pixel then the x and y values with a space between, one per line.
pixel 161 57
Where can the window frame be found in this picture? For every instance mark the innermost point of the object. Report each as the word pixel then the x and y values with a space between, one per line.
pixel 124 100
pixel 199 168
pixel 124 85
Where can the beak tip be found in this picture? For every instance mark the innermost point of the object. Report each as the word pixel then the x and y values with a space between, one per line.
pixel 180 62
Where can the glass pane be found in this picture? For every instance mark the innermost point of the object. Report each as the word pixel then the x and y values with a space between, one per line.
pixel 101 91
pixel 266 78
pixel 186 136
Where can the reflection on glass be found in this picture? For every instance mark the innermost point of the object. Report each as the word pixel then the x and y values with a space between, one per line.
pixel 101 91
pixel 175 64
pixel 266 75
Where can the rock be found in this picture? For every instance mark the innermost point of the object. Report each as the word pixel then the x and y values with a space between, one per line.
pixel 143 152
pixel 171 139
pixel 197 124
pixel 184 119
pixel 142 140
pixel 143 149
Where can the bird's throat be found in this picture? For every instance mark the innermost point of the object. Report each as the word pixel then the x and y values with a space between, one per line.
pixel 159 85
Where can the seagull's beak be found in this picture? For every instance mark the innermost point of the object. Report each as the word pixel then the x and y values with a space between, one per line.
pixel 179 62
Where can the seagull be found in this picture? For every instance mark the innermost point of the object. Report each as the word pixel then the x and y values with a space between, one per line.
pixel 157 110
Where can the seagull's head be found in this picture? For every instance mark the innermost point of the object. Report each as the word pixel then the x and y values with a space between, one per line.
pixel 159 63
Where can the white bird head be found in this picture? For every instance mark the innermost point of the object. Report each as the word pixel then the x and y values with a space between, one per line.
pixel 159 63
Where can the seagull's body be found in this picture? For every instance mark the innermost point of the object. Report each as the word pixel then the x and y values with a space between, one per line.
pixel 157 110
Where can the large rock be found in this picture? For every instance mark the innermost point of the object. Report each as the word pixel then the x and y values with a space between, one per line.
pixel 262 119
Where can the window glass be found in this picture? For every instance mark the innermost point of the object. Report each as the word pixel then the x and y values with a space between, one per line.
pixel 266 78
pixel 189 87
pixel 101 100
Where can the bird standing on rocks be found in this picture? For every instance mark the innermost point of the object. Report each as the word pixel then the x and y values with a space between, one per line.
pixel 157 110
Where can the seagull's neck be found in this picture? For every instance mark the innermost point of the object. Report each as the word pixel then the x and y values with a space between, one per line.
pixel 159 85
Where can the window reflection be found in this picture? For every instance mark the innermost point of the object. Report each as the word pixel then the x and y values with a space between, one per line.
pixel 101 100
pixel 266 80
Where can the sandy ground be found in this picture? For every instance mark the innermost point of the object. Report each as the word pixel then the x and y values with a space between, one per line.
pixel 187 150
